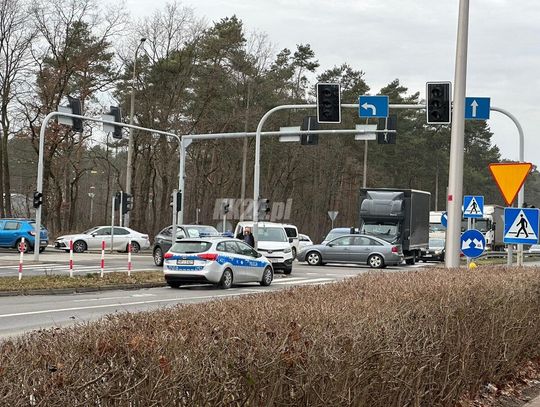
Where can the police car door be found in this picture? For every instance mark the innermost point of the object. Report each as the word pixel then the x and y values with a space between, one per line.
pixel 242 267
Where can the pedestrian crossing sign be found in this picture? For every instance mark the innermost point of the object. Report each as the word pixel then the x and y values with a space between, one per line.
pixel 473 206
pixel 521 225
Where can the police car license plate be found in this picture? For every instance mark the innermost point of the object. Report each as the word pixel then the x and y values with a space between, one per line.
pixel 184 262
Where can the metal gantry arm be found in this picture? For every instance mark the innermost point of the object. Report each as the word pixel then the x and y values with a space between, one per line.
pixel 39 183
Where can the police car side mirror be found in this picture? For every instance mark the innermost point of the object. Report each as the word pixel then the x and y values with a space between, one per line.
pixel 291 239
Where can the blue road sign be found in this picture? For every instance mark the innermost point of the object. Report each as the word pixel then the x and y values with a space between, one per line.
pixel 477 108
pixel 473 206
pixel 473 243
pixel 444 219
pixel 521 225
pixel 373 106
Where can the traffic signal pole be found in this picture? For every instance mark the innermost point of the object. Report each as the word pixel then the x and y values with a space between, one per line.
pixel 39 182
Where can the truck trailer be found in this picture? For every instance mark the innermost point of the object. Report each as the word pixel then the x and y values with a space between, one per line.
pixel 399 216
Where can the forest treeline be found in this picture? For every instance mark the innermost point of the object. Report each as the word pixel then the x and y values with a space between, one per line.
pixel 194 77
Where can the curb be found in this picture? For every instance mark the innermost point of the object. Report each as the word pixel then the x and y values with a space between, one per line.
pixel 80 290
pixel 533 403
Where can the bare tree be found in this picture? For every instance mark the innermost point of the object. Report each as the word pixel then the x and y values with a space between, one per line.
pixel 16 36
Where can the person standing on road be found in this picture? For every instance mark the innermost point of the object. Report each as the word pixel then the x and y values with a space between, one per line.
pixel 248 237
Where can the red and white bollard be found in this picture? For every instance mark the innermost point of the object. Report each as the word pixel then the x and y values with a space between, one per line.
pixel 102 257
pixel 21 256
pixel 71 258
pixel 129 258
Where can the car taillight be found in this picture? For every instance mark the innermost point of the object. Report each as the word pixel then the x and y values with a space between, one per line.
pixel 208 256
pixel 395 249
pixel 167 255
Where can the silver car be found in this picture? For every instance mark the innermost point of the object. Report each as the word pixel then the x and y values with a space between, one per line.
pixel 361 249
pixel 221 261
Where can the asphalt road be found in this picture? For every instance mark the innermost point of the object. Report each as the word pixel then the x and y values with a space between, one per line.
pixel 25 313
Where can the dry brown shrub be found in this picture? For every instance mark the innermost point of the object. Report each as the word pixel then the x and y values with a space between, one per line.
pixel 423 338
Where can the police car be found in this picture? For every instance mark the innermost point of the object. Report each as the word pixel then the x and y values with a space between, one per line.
pixel 215 260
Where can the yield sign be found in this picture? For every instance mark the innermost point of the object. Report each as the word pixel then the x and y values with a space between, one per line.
pixel 510 178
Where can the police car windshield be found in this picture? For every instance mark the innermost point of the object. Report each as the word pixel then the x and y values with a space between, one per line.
pixel 186 247
pixel 267 234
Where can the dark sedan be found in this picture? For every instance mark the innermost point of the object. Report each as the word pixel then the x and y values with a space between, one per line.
pixel 360 249
pixel 435 250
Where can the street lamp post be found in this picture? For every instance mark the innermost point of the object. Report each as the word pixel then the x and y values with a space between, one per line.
pixel 92 195
pixel 130 142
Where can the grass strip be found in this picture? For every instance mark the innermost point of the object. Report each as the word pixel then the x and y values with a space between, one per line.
pixel 89 280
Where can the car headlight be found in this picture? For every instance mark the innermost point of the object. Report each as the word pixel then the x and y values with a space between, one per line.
pixel 287 250
pixel 438 251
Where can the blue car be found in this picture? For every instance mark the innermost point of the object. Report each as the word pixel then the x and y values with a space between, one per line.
pixel 13 230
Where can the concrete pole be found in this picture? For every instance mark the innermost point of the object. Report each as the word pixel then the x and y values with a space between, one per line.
pixel 455 181
pixel 130 141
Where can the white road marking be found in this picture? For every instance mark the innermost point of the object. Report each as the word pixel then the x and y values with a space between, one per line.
pixel 119 304
pixel 303 281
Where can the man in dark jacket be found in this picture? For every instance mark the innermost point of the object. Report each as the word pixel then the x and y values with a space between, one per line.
pixel 248 237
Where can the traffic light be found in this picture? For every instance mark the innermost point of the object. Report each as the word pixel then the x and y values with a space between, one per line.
pixel 117 198
pixel 264 207
pixel 178 201
pixel 438 95
pixel 225 208
pixel 328 103
pixel 75 106
pixel 127 202
pixel 387 123
pixel 117 113
pixel 38 199
pixel 309 123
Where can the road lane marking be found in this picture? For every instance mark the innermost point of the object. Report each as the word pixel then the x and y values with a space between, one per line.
pixel 119 304
pixel 302 281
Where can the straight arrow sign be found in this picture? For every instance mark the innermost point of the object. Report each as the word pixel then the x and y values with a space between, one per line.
pixel 474 105
pixel 477 108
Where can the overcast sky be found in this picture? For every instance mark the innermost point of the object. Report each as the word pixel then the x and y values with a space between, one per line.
pixel 413 40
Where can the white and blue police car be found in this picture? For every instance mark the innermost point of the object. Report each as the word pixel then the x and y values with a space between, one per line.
pixel 215 260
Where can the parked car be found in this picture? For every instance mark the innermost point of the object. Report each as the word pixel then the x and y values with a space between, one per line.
pixel 92 238
pixel 215 260
pixel 435 250
pixel 163 240
pixel 360 249
pixel 303 241
pixel 12 230
pixel 336 232
pixel 273 243
pixel 534 249
pixel 292 235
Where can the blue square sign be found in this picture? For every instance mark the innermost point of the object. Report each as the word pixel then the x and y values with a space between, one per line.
pixel 477 108
pixel 373 106
pixel 473 206
pixel 521 225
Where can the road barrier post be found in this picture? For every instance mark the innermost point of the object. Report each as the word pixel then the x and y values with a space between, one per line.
pixel 102 257
pixel 71 258
pixel 129 258
pixel 21 257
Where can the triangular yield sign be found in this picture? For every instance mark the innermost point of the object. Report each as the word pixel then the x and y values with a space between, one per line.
pixel 509 178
